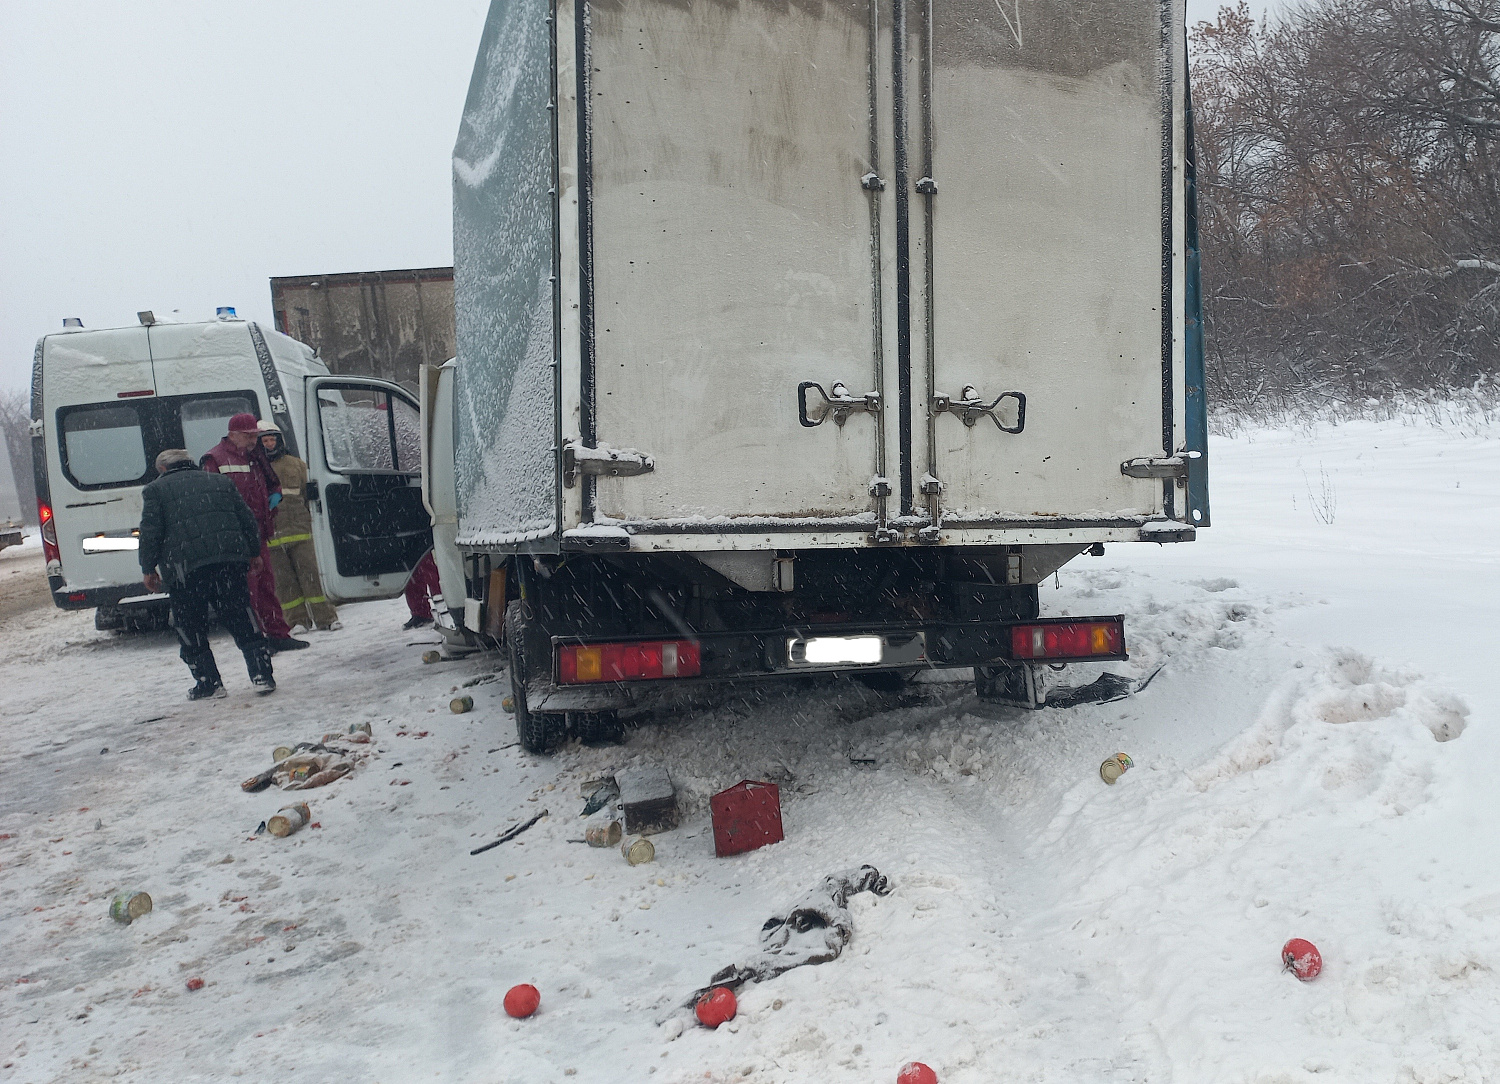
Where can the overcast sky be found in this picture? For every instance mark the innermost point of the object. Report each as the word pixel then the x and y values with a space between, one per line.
pixel 174 156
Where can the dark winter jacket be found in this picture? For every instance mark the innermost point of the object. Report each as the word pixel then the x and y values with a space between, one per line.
pixel 252 474
pixel 190 519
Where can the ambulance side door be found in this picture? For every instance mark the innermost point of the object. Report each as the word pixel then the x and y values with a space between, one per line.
pixel 364 448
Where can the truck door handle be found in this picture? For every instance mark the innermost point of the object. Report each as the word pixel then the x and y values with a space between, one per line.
pixel 838 403
pixel 969 408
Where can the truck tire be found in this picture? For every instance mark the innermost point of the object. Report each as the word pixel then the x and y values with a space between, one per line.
pixel 597 727
pixel 538 732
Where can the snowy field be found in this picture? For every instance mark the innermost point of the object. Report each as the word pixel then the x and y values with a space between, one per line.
pixel 1317 757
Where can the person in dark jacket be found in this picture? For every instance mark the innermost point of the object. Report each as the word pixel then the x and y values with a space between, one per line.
pixel 198 541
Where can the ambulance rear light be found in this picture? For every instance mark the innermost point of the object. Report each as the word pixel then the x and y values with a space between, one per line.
pixel 225 312
pixel 585 664
pixel 1089 638
pixel 50 552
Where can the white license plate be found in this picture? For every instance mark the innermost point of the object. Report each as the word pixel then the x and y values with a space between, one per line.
pixel 871 650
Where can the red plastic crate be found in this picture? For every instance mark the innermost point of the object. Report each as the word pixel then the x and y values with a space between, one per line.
pixel 746 816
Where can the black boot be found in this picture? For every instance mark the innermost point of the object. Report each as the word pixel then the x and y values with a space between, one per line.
pixel 210 685
pixel 258 662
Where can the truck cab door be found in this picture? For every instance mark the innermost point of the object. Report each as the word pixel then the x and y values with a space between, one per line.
pixel 370 527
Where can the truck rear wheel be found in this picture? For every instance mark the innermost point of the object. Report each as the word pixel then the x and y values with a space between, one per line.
pixel 538 732
pixel 597 727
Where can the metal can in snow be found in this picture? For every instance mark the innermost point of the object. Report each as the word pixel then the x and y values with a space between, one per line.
pixel 280 753
pixel 460 704
pixel 432 656
pixel 1115 767
pixel 359 728
pixel 637 850
pixel 128 906
pixel 603 832
pixel 288 819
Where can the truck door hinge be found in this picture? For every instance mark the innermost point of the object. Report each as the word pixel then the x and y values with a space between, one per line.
pixel 837 403
pixel 927 186
pixel 871 182
pixel 613 462
pixel 1158 466
pixel 36 427
pixel 969 408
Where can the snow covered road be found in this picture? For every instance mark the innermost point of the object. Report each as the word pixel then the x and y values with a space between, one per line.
pixel 1316 758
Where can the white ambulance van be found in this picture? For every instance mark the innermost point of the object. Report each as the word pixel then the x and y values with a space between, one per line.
pixel 105 402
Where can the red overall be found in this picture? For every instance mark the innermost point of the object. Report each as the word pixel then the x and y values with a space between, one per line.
pixel 253 476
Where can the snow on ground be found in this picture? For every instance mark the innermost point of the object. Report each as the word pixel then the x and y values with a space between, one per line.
pixel 1315 758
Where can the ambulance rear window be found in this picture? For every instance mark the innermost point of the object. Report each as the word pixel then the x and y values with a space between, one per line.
pixel 103 445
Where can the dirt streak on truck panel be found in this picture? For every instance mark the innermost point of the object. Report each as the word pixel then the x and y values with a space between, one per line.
pixel 1060 37
pixel 376 323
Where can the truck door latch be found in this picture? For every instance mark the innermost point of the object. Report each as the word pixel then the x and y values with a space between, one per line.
pixel 969 407
pixel 838 403
pixel 612 462
pixel 1158 466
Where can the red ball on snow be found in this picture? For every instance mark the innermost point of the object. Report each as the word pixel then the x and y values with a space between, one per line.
pixel 1302 959
pixel 716 1007
pixel 521 1001
pixel 914 1072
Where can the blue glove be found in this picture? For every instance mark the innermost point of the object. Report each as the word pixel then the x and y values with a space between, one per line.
pixel 275 500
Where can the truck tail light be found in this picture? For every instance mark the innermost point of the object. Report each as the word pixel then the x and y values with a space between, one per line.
pixel 1087 639
pixel 50 552
pixel 583 664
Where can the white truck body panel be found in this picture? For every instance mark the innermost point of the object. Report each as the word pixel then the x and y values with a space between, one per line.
pixel 657 250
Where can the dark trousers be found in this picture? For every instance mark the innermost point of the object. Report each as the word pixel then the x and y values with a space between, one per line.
pixel 224 589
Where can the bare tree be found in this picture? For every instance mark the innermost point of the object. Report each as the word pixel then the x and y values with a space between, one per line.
pixel 1350 200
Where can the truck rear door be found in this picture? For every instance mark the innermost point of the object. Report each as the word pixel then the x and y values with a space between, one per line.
pixel 734 265
pixel 1047 141
pixel 370 527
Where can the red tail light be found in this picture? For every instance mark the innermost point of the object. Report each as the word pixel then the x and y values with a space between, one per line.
pixel 50 552
pixel 583 664
pixel 1069 640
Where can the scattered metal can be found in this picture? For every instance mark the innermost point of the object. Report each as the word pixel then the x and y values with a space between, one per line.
pixel 360 728
pixel 432 656
pixel 460 704
pixel 638 850
pixel 1115 767
pixel 288 819
pixel 280 753
pixel 508 704
pixel 604 832
pixel 128 906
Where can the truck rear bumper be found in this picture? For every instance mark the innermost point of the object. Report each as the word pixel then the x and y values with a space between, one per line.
pixel 785 652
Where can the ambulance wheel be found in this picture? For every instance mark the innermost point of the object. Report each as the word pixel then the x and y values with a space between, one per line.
pixel 597 727
pixel 109 619
pixel 538 731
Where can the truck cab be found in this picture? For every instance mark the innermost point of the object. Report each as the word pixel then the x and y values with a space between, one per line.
pixel 105 402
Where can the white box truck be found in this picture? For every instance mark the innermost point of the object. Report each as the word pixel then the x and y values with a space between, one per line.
pixel 810 337
pixel 104 402
pixel 12 531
